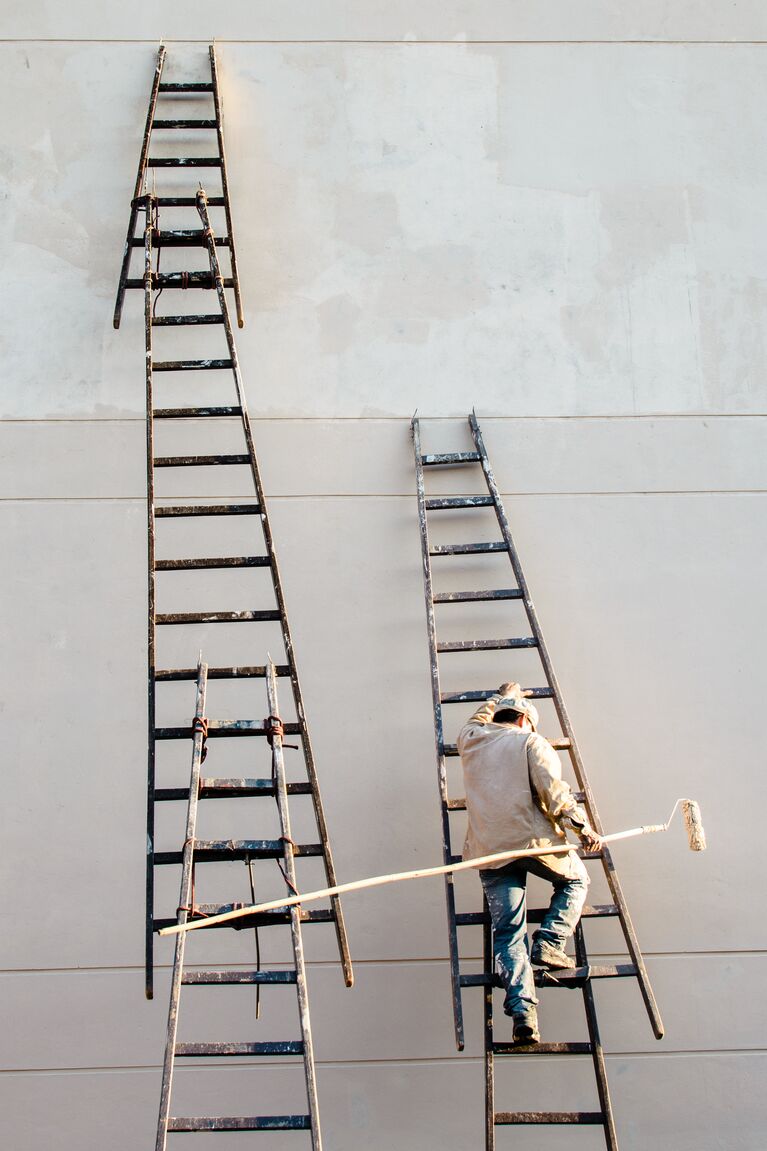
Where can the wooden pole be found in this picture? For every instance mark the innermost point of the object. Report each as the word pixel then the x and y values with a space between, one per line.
pixel 399 877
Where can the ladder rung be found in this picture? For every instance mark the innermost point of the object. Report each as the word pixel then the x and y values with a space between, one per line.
pixel 225 788
pixel 541 1048
pixel 218 978
pixel 207 86
pixel 536 914
pixel 186 321
pixel 460 549
pixel 256 671
pixel 477 596
pixel 451 458
pixel 183 162
pixel 223 850
pixel 184 124
pixel 190 365
pixel 208 510
pixel 479 696
pixel 198 461
pixel 189 617
pixel 242 1123
pixel 212 562
pixel 487 644
pixel 576 975
pixel 450 750
pixel 226 1050
pixel 196 413
pixel 224 728
pixel 189 201
pixel 264 918
pixel 181 238
pixel 180 280
pixel 505 1117
pixel 561 978
pixel 459 804
pixel 229 789
pixel 442 505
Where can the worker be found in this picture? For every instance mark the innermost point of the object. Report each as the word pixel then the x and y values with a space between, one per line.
pixel 516 799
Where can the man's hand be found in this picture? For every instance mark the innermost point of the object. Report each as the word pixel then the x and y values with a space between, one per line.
pixel 590 841
pixel 509 689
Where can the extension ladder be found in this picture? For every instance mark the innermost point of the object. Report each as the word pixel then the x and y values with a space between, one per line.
pixel 181 95
pixel 306 1121
pixel 239 518
pixel 584 973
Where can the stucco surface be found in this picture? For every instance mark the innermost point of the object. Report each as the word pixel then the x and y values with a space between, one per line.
pixel 419 1105
pixel 551 213
pixel 441 213
pixel 254 20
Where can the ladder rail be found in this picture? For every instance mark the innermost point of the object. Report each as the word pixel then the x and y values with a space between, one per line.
pixel 487 1012
pixel 151 631
pixel 225 184
pixel 567 728
pixel 281 795
pixel 140 177
pixel 431 629
pixel 215 270
pixel 597 1053
pixel 185 896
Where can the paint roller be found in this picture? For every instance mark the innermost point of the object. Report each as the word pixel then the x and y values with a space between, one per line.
pixel 696 837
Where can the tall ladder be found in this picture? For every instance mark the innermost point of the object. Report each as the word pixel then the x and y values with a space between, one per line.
pixel 304 1121
pixel 180 95
pixel 584 973
pixel 243 517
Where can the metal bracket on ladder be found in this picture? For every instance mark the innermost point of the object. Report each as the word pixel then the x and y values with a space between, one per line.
pixel 179 93
pixel 584 974
pixel 247 516
pixel 193 851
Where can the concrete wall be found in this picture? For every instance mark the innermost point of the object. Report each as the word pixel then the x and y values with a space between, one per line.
pixel 554 214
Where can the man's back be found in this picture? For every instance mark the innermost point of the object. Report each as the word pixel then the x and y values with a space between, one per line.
pixel 502 813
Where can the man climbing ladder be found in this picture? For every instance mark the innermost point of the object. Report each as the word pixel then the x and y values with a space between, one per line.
pixel 516 799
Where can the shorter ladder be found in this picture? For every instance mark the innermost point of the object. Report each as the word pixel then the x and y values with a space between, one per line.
pixel 180 127
pixel 307 1120
pixel 450 806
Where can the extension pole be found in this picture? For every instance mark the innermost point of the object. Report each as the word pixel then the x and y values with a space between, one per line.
pixel 401 876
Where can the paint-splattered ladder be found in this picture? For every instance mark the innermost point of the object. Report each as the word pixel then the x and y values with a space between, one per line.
pixel 193 853
pixel 584 974
pixel 243 518
pixel 180 127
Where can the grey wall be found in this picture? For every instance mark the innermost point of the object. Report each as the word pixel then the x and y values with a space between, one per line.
pixel 554 214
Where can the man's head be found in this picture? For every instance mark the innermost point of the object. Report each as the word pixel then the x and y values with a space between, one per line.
pixel 517 712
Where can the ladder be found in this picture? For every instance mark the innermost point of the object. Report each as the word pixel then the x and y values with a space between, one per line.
pixel 450 805
pixel 183 130
pixel 307 1121
pixel 240 519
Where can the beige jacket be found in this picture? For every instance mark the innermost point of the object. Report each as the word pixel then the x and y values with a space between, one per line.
pixel 500 765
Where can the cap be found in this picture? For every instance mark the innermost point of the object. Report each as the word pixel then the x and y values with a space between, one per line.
pixel 519 704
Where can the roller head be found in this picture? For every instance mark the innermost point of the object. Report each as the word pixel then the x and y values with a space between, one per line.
pixel 694 824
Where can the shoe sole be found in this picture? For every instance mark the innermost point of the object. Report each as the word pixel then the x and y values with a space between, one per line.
pixel 549 965
pixel 526 1037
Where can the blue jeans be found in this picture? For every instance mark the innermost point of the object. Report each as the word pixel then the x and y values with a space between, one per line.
pixel 505 891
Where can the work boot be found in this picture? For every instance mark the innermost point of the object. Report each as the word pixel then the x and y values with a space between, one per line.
pixel 526 1027
pixel 546 954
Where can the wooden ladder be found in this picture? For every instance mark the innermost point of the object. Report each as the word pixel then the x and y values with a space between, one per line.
pixel 450 805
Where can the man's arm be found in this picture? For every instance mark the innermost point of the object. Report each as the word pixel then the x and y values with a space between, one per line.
pixel 554 794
